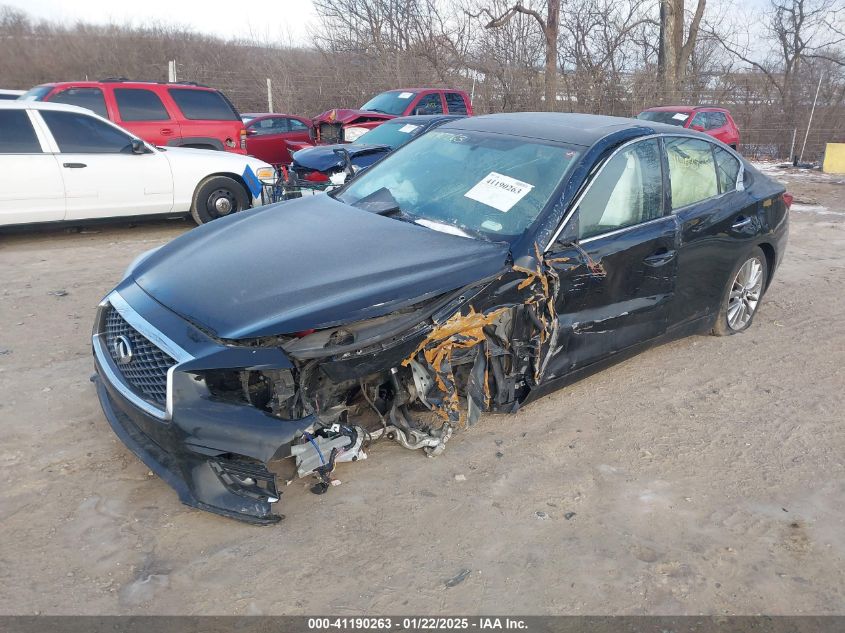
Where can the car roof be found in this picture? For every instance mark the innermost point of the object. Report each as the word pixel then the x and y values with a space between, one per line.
pixel 424 119
pixel 421 90
pixel 42 105
pixel 577 129
pixel 126 83
pixel 682 108
pixel 256 115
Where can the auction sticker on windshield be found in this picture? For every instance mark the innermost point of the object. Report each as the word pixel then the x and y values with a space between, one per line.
pixel 408 128
pixel 406 95
pixel 499 191
pixel 680 116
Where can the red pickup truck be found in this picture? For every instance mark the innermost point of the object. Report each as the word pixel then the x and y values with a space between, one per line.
pixel 346 125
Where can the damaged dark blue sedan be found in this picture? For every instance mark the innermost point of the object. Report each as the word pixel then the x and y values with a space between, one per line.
pixel 478 267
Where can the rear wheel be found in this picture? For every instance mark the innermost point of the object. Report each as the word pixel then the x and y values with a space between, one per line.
pixel 742 294
pixel 216 197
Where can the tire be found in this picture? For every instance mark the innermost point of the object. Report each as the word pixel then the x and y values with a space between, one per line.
pixel 743 293
pixel 218 196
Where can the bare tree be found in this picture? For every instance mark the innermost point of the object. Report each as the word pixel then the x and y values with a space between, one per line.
pixel 549 26
pixel 674 52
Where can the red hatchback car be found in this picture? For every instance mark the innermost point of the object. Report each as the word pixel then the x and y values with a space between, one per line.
pixel 717 122
pixel 268 136
pixel 180 115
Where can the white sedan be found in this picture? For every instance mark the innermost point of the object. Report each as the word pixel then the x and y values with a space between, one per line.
pixel 61 162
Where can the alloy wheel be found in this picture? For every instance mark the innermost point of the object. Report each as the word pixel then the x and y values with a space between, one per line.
pixel 745 293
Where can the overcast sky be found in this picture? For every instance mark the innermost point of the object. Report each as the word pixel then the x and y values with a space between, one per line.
pixel 277 20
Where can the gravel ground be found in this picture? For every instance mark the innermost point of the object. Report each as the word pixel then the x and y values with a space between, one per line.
pixel 703 476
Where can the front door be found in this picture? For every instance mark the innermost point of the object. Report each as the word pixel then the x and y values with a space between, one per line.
pixel 102 177
pixel 617 274
pixel 31 188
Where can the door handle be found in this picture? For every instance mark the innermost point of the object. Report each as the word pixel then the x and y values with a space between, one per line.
pixel 740 223
pixel 659 257
pixel 165 131
pixel 74 165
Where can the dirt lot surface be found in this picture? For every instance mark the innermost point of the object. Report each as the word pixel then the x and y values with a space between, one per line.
pixel 704 476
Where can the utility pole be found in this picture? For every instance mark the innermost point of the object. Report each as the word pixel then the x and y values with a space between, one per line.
pixel 269 95
pixel 171 71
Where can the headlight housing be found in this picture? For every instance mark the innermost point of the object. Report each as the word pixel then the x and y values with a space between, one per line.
pixel 265 174
pixel 353 133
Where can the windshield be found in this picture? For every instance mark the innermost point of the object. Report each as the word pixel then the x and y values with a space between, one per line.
pixel 390 134
pixel 482 183
pixel 393 102
pixel 670 117
pixel 35 94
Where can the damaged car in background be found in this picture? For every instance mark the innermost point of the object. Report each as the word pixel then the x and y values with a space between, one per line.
pixel 478 267
pixel 337 163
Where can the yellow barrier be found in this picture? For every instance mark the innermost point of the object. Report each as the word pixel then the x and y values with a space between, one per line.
pixel 834 158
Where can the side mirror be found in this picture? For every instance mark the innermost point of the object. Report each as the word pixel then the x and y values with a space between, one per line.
pixel 251 131
pixel 139 147
pixel 697 128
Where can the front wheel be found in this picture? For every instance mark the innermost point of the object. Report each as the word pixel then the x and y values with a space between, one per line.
pixel 216 197
pixel 743 294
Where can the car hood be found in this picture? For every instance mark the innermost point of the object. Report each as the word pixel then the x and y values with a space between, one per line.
pixel 346 116
pixel 308 263
pixel 323 158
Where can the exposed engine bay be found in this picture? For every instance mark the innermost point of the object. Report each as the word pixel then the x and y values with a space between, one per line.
pixel 413 376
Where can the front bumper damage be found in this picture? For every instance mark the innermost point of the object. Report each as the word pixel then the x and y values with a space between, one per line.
pixel 226 413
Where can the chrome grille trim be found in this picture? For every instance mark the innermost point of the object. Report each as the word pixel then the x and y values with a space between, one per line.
pixel 111 370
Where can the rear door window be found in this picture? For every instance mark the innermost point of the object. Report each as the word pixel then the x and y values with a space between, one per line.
pixel 139 104
pixel 727 169
pixel 429 104
pixel 91 98
pixel 692 171
pixel 455 103
pixel 715 119
pixel 297 126
pixel 203 105
pixel 16 133
pixel 80 134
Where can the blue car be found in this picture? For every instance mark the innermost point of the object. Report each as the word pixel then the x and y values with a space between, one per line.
pixel 333 164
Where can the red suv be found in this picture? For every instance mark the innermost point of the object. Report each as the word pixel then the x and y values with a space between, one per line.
pixel 717 122
pixel 346 125
pixel 184 115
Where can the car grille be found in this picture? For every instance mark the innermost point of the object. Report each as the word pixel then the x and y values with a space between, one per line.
pixel 146 372
pixel 331 133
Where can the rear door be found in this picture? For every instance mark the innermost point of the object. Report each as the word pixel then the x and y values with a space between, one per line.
pixel 31 187
pixel 617 273
pixel 102 177
pixel 208 119
pixel 141 111
pixel 715 223
pixel 717 126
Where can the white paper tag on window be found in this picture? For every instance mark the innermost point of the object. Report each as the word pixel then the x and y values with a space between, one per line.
pixel 407 129
pixel 680 116
pixel 499 191
pixel 406 95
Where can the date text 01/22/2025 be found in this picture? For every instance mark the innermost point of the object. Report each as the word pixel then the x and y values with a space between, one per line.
pixel 415 623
